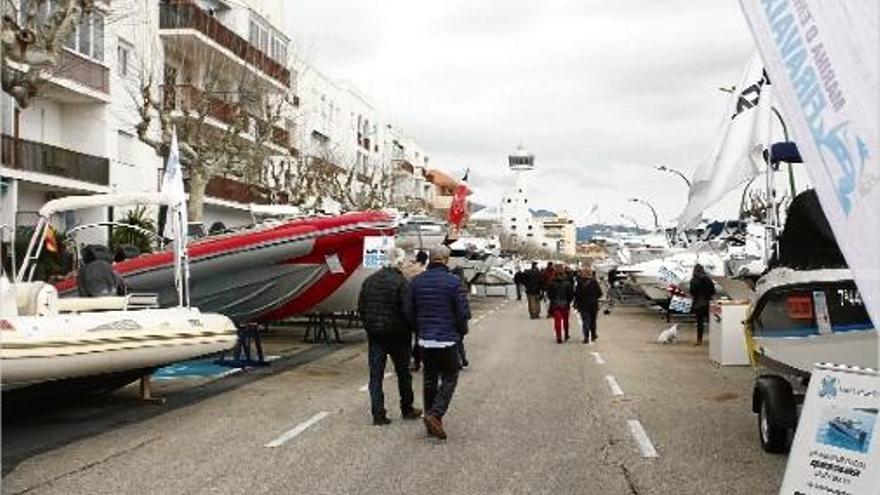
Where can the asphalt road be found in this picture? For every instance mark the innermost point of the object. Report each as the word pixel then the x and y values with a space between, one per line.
pixel 529 417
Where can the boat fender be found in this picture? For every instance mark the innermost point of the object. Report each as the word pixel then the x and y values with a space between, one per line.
pixel 780 396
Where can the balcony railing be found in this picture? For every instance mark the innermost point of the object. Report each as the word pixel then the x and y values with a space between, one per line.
pixel 83 71
pixel 184 14
pixel 190 99
pixel 31 156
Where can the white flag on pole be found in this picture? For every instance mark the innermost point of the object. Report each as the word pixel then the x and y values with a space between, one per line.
pixel 737 154
pixel 175 219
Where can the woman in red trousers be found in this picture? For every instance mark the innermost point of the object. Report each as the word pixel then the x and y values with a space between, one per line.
pixel 560 292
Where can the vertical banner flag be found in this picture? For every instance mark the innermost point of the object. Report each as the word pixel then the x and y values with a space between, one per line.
pixel 737 152
pixel 175 222
pixel 458 208
pixel 824 58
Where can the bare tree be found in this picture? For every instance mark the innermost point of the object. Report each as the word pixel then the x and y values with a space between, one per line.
pixel 32 39
pixel 228 120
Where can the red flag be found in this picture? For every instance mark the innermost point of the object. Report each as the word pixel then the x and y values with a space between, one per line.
pixel 458 209
pixel 51 242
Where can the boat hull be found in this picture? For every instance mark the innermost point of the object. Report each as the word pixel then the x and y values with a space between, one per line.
pixel 262 274
pixel 804 317
pixel 68 346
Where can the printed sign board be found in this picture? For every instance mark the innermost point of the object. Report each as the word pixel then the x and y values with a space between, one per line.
pixel 374 250
pixel 836 449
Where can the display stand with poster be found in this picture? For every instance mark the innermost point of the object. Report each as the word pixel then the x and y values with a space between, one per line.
pixel 374 250
pixel 836 448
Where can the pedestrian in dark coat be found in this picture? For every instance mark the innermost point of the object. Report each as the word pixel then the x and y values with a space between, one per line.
pixel 438 308
pixel 702 289
pixel 560 293
pixel 381 305
pixel 519 281
pixel 587 293
pixel 534 283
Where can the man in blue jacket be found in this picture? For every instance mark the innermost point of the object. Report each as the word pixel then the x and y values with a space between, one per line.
pixel 439 310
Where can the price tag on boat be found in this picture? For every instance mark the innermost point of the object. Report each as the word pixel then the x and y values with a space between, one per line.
pixel 374 250
pixel 836 448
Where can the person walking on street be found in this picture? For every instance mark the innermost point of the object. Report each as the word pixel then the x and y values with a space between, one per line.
pixel 381 304
pixel 410 270
pixel 560 293
pixel 702 289
pixel 519 281
pixel 587 293
pixel 532 279
pixel 438 308
pixel 547 279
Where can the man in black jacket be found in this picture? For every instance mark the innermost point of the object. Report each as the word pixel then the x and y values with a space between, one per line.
pixel 381 307
pixel 534 284
pixel 586 300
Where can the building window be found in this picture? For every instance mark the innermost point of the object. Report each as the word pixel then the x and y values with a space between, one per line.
pixel 268 40
pixel 508 200
pixel 123 57
pixel 87 38
pixel 530 227
pixel 125 148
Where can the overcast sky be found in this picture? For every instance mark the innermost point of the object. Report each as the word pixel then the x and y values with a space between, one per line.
pixel 600 91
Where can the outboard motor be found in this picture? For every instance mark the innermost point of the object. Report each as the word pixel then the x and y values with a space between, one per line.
pixel 96 277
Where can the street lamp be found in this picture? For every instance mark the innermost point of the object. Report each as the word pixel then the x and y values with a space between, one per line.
pixel 664 168
pixel 653 211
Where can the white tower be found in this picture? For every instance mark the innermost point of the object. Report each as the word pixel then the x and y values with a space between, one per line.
pixel 515 215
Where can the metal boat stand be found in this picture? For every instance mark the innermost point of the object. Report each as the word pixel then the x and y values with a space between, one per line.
pixel 146 391
pixel 318 329
pixel 248 336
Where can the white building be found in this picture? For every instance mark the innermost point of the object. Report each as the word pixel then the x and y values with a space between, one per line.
pixel 78 135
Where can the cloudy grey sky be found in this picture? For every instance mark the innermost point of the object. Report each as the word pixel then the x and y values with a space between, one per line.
pixel 600 91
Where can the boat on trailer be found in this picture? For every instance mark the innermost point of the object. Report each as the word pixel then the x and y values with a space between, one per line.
pixel 96 342
pixel 807 310
pixel 267 272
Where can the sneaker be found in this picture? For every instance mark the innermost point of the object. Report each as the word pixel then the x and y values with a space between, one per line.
pixel 381 420
pixel 434 426
pixel 414 413
pixel 566 337
pixel 586 341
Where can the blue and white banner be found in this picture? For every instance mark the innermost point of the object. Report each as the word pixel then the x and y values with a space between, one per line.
pixel 823 58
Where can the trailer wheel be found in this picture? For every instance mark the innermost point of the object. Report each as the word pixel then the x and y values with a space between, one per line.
pixel 774 438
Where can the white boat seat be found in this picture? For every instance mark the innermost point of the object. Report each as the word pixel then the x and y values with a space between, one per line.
pixel 87 304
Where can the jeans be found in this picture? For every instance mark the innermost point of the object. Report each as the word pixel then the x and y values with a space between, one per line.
pixel 534 305
pixel 398 349
pixel 588 319
pixel 560 322
pixel 440 379
pixel 702 315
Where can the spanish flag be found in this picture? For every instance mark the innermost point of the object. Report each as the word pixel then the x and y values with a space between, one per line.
pixel 51 241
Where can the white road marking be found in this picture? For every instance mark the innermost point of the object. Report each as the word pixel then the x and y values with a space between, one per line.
pixel 296 430
pixel 614 386
pixel 599 359
pixel 645 445
pixel 367 386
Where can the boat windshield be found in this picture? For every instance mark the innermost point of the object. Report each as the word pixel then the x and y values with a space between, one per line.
pixel 804 311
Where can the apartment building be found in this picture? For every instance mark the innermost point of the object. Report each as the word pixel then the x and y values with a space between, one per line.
pixel 216 59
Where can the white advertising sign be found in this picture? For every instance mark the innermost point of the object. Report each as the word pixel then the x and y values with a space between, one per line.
pixel 836 449
pixel 374 250
pixel 823 59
